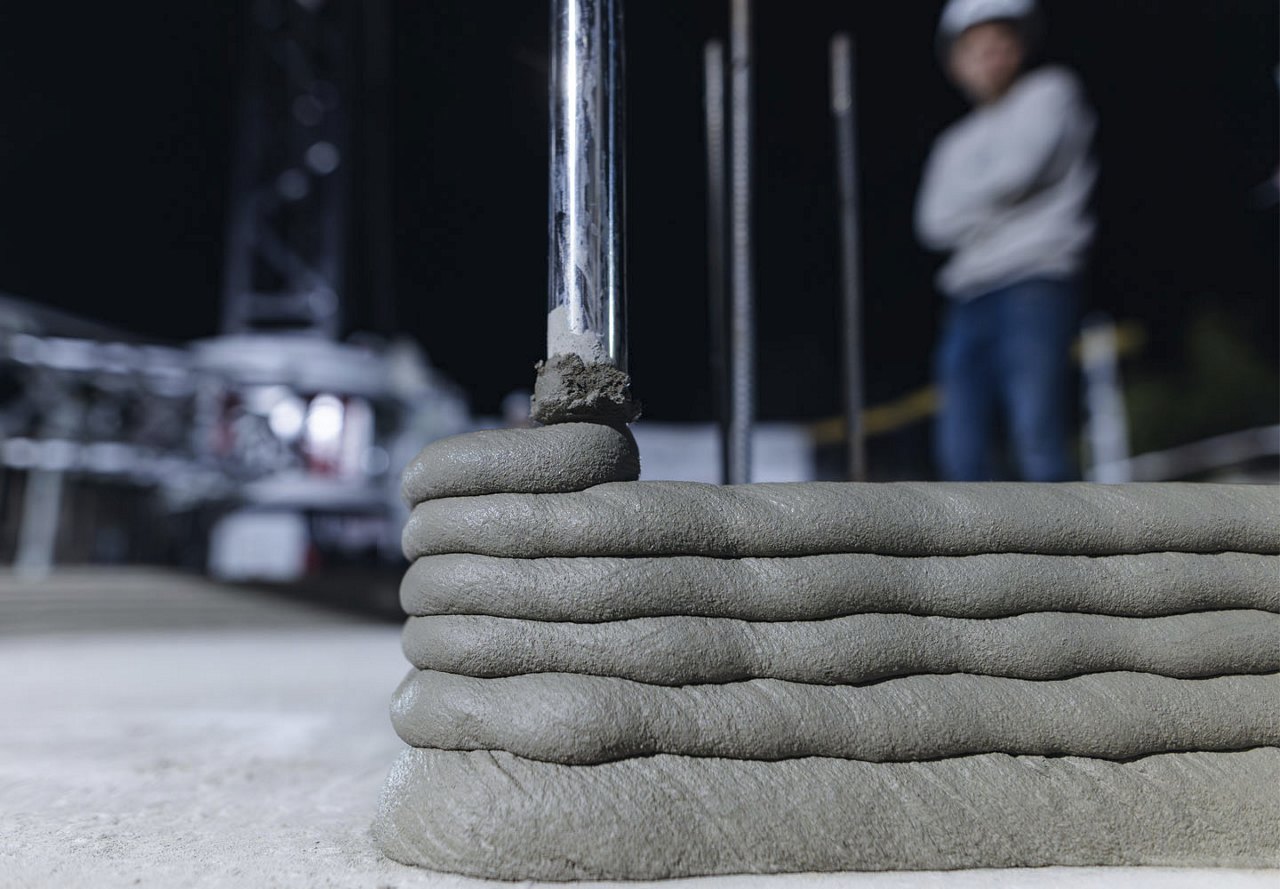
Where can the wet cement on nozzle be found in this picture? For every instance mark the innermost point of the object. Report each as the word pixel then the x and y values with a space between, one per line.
pixel 569 390
pixel 578 383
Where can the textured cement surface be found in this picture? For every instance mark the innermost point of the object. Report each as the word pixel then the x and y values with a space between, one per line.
pixel 562 718
pixel 682 518
pixel 819 587
pixel 825 814
pixel 568 389
pixel 856 649
pixel 533 462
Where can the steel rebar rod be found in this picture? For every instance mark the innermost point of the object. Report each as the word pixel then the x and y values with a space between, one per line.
pixel 713 101
pixel 844 112
pixel 742 296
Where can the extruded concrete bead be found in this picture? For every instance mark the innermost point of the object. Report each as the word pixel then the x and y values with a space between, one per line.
pixel 818 587
pixel 848 650
pixel 909 519
pixel 572 719
pixel 498 816
pixel 551 459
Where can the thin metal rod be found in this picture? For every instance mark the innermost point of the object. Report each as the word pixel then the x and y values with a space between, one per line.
pixel 844 111
pixel 587 292
pixel 713 86
pixel 742 296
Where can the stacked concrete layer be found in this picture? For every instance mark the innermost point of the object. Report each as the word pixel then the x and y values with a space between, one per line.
pixel 646 519
pixel 848 650
pixel 819 587
pixel 653 680
pixel 580 720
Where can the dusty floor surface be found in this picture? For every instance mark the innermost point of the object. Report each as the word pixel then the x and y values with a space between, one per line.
pixel 160 731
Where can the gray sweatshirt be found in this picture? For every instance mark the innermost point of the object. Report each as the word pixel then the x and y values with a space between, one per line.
pixel 1006 189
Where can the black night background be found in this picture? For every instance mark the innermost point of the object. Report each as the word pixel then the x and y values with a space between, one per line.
pixel 116 133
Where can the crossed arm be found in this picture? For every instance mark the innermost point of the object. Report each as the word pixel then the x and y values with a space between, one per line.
pixel 958 198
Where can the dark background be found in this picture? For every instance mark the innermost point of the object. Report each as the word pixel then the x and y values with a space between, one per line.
pixel 115 146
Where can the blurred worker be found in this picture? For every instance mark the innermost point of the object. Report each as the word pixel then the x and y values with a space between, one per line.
pixel 1006 193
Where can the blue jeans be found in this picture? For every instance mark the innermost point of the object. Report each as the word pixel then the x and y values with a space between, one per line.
pixel 1007 351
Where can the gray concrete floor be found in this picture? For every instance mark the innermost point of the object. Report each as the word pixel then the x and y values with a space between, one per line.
pixel 158 730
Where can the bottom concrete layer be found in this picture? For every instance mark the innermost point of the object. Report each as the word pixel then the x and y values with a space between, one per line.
pixel 499 816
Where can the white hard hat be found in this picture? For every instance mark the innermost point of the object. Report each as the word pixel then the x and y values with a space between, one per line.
pixel 960 15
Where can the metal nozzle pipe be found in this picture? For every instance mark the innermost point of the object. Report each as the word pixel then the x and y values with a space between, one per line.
pixel 587 293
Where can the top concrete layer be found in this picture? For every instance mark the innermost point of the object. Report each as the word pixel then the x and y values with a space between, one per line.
pixel 553 459
pixel 675 518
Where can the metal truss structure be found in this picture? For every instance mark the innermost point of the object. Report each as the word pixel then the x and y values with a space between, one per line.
pixel 291 170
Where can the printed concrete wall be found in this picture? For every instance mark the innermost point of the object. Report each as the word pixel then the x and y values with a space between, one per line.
pixel 622 679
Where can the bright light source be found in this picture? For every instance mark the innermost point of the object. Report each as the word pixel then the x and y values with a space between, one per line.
pixel 324 420
pixel 286 418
